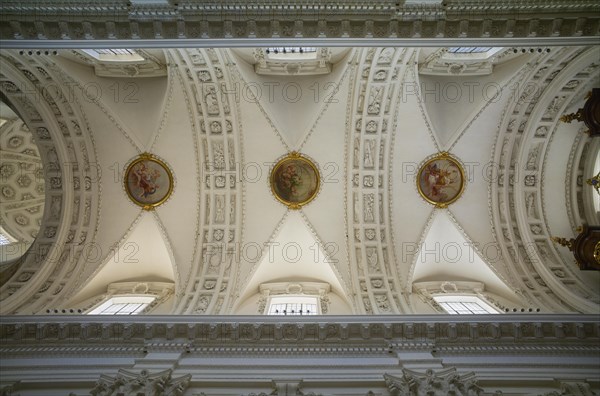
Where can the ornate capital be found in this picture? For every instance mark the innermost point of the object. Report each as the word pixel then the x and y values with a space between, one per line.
pixel 441 383
pixel 127 383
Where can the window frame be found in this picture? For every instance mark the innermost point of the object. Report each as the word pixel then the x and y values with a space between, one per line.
pixel 126 56
pixel 465 298
pixel 293 299
pixel 102 307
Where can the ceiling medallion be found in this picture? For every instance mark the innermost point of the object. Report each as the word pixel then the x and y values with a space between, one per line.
pixel 295 180
pixel 148 181
pixel 441 180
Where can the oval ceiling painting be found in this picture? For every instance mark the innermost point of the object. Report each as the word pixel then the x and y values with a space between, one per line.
pixel 441 180
pixel 295 180
pixel 148 181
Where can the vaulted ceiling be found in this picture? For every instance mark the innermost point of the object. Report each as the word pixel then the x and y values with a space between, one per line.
pixel 369 123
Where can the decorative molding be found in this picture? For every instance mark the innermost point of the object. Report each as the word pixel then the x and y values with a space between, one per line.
pixel 572 388
pixel 172 57
pixel 207 81
pixel 193 24
pixel 240 354
pixel 371 123
pixel 580 330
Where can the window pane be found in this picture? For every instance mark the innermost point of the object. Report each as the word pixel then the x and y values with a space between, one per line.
pixel 293 309
pixel 468 50
pixel 463 307
pixel 291 50
pixel 123 306
pixel 4 240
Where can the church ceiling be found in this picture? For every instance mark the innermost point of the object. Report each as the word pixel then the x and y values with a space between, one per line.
pixel 374 125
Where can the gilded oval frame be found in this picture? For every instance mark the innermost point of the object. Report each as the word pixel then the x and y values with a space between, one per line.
pixel 305 164
pixel 428 193
pixel 158 166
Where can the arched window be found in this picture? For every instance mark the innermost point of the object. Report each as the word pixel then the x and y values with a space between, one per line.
pixel 127 298
pixel 459 297
pixel 294 298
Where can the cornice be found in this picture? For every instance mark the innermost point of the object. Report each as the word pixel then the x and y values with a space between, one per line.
pixel 29 24
pixel 159 330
